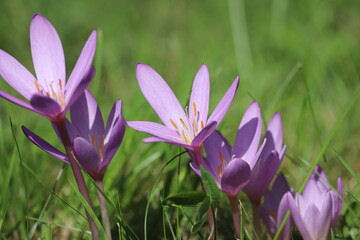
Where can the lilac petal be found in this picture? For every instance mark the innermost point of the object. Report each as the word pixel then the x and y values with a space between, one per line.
pixel 261 176
pixel 204 134
pixel 248 135
pixel 216 148
pixel 47 52
pixel 83 71
pixel 311 218
pixel 16 75
pixel 156 130
pixel 282 210
pixel 223 106
pixel 275 129
pixel 18 102
pixel 195 168
pixel 199 99
pixel 87 156
pixel 87 118
pixel 75 93
pixel 71 129
pixel 337 204
pixel 322 224
pixel 268 220
pixel 115 134
pixel 152 139
pixel 45 105
pixel 160 96
pixel 279 188
pixel 296 216
pixel 41 143
pixel 236 174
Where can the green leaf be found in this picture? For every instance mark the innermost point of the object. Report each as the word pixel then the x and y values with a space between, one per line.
pixel 184 199
pixel 203 209
pixel 210 187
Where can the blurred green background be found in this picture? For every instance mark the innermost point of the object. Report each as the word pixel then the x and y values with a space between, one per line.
pixel 300 58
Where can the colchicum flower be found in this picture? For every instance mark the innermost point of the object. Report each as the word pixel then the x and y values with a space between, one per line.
pixel 186 129
pixel 47 94
pixel 275 207
pixel 318 208
pixel 94 145
pixel 267 162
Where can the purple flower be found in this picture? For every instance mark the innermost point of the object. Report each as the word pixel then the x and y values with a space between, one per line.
pixel 94 145
pixel 186 129
pixel 318 208
pixel 47 93
pixel 275 207
pixel 231 167
pixel 267 161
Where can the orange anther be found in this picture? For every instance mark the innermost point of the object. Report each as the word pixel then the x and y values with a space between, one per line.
pixel 194 108
pixel 173 123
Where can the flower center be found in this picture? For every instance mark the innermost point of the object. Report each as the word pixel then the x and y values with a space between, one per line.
pixel 98 146
pixel 53 90
pixel 185 132
pixel 221 167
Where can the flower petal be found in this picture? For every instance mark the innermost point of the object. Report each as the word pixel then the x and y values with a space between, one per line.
pixel 283 207
pixel 156 130
pixel 87 118
pixel 236 174
pixel 275 129
pixel 87 156
pixel 16 75
pixel 217 150
pixel 115 132
pixel 152 139
pixel 322 224
pixel 47 52
pixel 45 105
pixel 279 188
pixel 204 134
pixel 296 216
pixel 261 176
pixel 160 96
pixel 18 102
pixel 83 71
pixel 223 106
pixel 42 144
pixel 199 99
pixel 337 204
pixel 248 135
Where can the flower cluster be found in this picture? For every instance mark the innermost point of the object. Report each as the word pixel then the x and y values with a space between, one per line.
pixel 250 165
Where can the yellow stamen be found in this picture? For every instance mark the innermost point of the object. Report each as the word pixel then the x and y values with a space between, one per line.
pixel 220 170
pixel 184 136
pixel 62 101
pixel 194 107
pixel 195 126
pixel 93 140
pixel 202 124
pixel 37 86
pixel 173 123
pixel 183 123
pixel 101 147
pixel 60 84
pixel 53 93
pixel 222 159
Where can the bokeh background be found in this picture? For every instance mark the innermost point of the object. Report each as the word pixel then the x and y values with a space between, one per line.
pixel 301 58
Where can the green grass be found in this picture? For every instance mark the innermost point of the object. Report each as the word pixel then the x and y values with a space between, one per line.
pixel 300 58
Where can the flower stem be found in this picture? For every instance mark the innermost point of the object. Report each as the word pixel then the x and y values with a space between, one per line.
pixel 61 127
pixel 104 213
pixel 256 219
pixel 235 215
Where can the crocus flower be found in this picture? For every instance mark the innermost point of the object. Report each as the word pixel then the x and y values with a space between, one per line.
pixel 231 167
pixel 186 129
pixel 267 162
pixel 275 207
pixel 317 209
pixel 94 145
pixel 48 93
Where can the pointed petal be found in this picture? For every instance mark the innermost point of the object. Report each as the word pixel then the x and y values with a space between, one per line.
pixel 16 75
pixel 283 207
pixel 115 134
pixel 160 96
pixel 261 176
pixel 276 131
pixel 217 150
pixel 74 93
pixel 83 71
pixel 204 134
pixel 47 52
pixel 298 219
pixel 279 188
pixel 156 130
pixel 199 99
pixel 224 105
pixel 322 225
pixel 47 106
pixel 337 204
pixel 236 174
pixel 87 156
pixel 248 135
pixel 18 102
pixel 86 117
pixel 152 139
pixel 42 144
